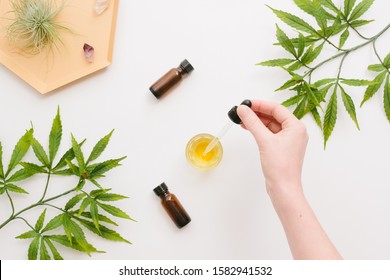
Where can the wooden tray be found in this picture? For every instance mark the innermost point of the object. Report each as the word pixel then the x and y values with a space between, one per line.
pixel 48 71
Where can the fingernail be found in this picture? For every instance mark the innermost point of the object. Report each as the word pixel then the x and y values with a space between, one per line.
pixel 235 113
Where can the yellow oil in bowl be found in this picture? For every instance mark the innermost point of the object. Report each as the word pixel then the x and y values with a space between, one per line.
pixel 195 152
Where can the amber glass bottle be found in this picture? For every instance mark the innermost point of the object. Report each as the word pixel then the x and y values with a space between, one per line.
pixel 172 205
pixel 171 78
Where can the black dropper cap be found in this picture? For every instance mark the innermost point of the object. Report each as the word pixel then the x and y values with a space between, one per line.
pixel 161 189
pixel 233 116
pixel 186 66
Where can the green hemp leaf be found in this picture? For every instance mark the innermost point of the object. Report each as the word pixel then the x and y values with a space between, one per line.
pixel 334 24
pixel 95 212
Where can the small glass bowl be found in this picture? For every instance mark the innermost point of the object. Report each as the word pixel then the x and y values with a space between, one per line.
pixel 195 148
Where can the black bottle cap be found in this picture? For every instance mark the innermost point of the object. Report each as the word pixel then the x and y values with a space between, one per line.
pixel 161 189
pixel 233 116
pixel 186 66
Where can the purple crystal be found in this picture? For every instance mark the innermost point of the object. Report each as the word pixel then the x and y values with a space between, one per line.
pixel 88 52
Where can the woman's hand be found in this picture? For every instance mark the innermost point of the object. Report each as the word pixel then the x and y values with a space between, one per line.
pixel 281 139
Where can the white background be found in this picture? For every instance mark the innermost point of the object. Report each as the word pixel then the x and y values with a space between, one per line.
pixel 232 217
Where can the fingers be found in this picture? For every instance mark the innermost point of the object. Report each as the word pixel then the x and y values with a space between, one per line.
pixel 252 122
pixel 265 117
pixel 280 113
pixel 269 122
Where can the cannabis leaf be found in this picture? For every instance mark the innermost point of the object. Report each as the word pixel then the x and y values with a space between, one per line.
pixel 360 9
pixel 55 137
pixel 285 42
pixel 386 98
pixel 1 162
pixel 309 95
pixel 87 171
pixel 330 117
pixel 348 6
pixel 343 38
pixel 19 151
pixel 99 147
pixel 94 200
pixel 329 4
pixel 294 21
pixel 349 106
pixel 92 204
pixel 277 62
pixel 9 179
pixel 39 242
pixel 372 89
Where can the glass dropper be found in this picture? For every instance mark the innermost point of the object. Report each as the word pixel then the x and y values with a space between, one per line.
pixel 215 140
pixel 233 116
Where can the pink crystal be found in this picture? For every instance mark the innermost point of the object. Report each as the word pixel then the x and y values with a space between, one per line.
pixel 89 52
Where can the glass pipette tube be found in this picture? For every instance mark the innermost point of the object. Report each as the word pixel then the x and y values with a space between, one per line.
pixel 214 142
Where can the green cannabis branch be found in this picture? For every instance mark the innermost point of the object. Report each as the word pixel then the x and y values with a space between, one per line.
pixel 334 27
pixel 89 207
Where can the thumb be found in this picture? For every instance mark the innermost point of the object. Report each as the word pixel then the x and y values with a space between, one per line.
pixel 252 122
